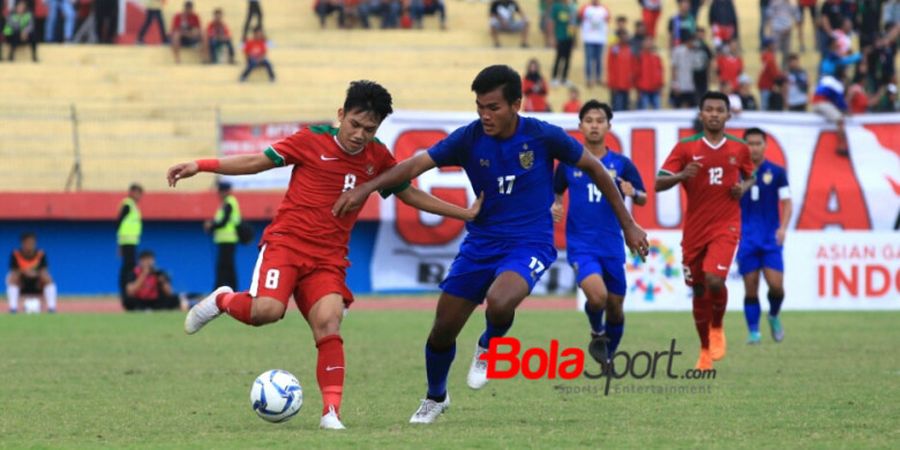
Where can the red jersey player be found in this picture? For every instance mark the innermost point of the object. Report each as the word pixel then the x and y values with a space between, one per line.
pixel 303 252
pixel 715 170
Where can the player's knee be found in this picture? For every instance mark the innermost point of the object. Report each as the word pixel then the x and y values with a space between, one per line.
pixel 776 291
pixel 715 284
pixel 614 312
pixel 327 327
pixel 265 312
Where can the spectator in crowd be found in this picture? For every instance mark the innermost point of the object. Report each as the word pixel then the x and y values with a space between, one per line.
pixel 620 72
pixel 769 72
pixel 219 36
pixel 637 38
pixel 682 90
pixel 828 102
pixel 889 103
pixel 388 10
pixel 621 25
pixel 650 11
pixel 868 21
pixel 20 29
pixel 805 5
pixel 573 105
pixel 695 6
pixel 797 84
pixel 254 10
pixel 891 20
pixel 224 228
pixel 649 81
pixel 734 99
pixel 106 13
pixel 508 17
pixel 545 26
pixel 54 8
pixel 779 94
pixel 418 9
pixel 255 50
pixel 858 100
pixel 763 20
pixel 844 37
pixel 186 31
pixel 564 33
pixel 723 21
pixel 153 12
pixel 325 8
pixel 729 65
pixel 128 233
pixel 29 274
pixel 149 288
pixel 745 92
pixel 594 19
pixel 833 62
pixel 702 58
pixel 534 88
pixel 683 25
pixel 881 60
pixel 781 15
pixel 831 17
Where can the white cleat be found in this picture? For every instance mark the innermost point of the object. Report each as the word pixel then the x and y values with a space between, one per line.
pixel 429 410
pixel 204 312
pixel 477 377
pixel 331 421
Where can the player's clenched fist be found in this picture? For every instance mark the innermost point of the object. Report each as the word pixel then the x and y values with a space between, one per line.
pixel 350 201
pixel 690 170
pixel 636 240
pixel 179 171
pixel 557 211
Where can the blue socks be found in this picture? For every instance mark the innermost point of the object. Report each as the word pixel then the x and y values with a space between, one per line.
pixel 595 318
pixel 775 304
pixel 752 312
pixel 437 369
pixel 614 332
pixel 491 332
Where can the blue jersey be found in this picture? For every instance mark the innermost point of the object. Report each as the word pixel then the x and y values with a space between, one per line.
pixel 760 209
pixel 515 174
pixel 591 224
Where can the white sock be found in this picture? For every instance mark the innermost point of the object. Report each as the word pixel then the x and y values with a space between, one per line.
pixel 50 296
pixel 12 295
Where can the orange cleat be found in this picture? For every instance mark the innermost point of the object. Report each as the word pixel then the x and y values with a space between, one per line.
pixel 705 362
pixel 717 343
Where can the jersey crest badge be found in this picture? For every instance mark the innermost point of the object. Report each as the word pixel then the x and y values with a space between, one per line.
pixel 577 174
pixel 767 177
pixel 611 172
pixel 732 160
pixel 370 169
pixel 526 158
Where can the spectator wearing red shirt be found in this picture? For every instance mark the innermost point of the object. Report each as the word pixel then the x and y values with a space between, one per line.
pixel 574 103
pixel 148 287
pixel 186 31
pixel 769 72
pixel 650 10
pixel 729 64
pixel 218 36
pixel 534 88
pixel 649 76
pixel 255 50
pixel 620 74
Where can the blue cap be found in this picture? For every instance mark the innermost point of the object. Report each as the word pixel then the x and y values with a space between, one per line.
pixel 224 186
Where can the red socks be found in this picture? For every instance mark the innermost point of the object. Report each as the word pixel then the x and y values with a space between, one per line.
pixel 330 372
pixel 702 317
pixel 719 304
pixel 237 305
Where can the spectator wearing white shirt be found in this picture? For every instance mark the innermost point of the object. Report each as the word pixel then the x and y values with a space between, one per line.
pixel 594 19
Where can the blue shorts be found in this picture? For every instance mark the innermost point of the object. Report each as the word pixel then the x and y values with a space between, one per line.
pixel 753 256
pixel 479 262
pixel 611 269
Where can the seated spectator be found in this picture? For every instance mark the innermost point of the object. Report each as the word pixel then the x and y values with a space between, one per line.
pixel 186 32
pixel 729 64
pixel 620 72
pixel 149 287
pixel 828 102
pixel 797 85
pixel 573 105
pixel 153 12
pixel 421 8
pixel 745 92
pixel 723 21
pixel 683 25
pixel 770 71
pixel 218 36
pixel 649 76
pixel 778 95
pixel 29 275
pixel 20 29
pixel 255 50
pixel 389 10
pixel 534 89
pixel 325 8
pixel 508 17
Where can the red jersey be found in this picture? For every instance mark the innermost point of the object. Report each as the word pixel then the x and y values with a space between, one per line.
pixel 769 73
pixel 322 171
pixel 218 30
pixel 710 208
pixel 255 49
pixel 185 21
pixel 730 69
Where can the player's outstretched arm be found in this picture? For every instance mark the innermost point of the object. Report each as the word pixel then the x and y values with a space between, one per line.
pixel 420 199
pixel 405 171
pixel 230 165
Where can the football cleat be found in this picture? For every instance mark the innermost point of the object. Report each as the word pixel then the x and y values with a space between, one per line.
pixel 477 377
pixel 331 421
pixel 754 339
pixel 717 344
pixel 775 326
pixel 204 312
pixel 429 410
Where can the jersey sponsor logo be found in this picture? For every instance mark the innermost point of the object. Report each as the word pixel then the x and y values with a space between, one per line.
pixel 526 158
pixel 696 158
pixel 325 158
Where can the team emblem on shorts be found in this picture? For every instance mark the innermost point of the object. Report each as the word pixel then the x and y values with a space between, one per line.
pixel 767 177
pixel 526 159
pixel 370 169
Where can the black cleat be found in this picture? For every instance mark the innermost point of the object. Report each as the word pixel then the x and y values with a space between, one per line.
pixel 599 351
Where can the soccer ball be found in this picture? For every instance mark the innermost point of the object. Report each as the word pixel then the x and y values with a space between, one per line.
pixel 276 396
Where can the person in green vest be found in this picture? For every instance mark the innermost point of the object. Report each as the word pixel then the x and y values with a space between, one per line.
pixel 225 236
pixel 20 30
pixel 128 235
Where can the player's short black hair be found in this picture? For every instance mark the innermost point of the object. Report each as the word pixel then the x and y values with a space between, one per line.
pixel 27 235
pixel 135 187
pixel 368 96
pixel 595 104
pixel 146 254
pixel 493 77
pixel 715 95
pixel 756 131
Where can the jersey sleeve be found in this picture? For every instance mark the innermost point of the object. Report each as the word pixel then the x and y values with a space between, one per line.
pixel 294 149
pixel 631 175
pixel 449 151
pixel 385 163
pixel 560 182
pixel 781 182
pixel 562 146
pixel 675 162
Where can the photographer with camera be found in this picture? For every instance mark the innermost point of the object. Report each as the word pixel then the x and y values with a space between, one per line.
pixel 149 287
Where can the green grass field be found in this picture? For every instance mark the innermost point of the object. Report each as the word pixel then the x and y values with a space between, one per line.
pixel 118 381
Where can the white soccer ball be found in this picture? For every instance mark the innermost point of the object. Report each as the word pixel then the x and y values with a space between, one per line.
pixel 32 306
pixel 276 396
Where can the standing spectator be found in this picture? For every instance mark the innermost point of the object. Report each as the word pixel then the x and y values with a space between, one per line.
pixel 573 105
pixel 106 13
pixel 218 35
pixel 745 92
pixel 683 92
pixel 153 12
pixel 620 72
pixel 637 39
pixel 225 235
pixel 255 51
pixel 734 99
pixel 723 21
pixel 868 21
pixel 594 19
pixel 534 88
pixel 797 85
pixel 324 8
pixel 254 9
pixel 828 102
pixel 649 76
pixel 763 20
pixel 781 15
pixel 149 288
pixel 544 13
pixel 186 31
pixel 779 94
pixel 420 8
pixel 702 58
pixel 564 33
pixel 729 64
pixel 683 25
pixel 54 7
pixel 805 5
pixel 769 73
pixel 29 274
pixel 881 62
pixel 128 235
pixel 830 19
pixel 650 10
pixel 695 6
pixel 891 19
pixel 19 29
pixel 504 20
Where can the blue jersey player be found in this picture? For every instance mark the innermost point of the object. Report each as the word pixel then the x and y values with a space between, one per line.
pixel 509 244
pixel 762 236
pixel 596 248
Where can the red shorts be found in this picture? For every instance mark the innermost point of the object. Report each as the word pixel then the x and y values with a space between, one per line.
pixel 281 272
pixel 714 258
